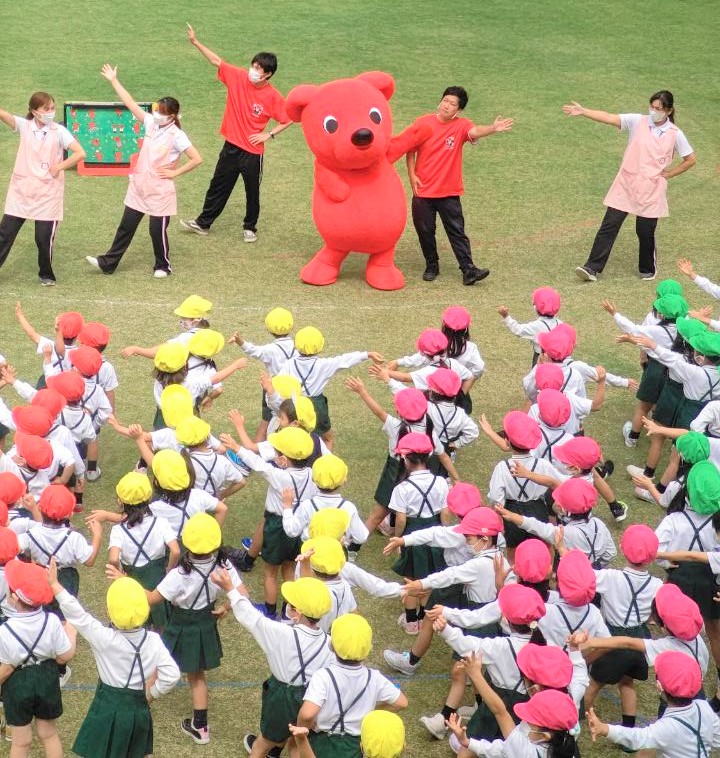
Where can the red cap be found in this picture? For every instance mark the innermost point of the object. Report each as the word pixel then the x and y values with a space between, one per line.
pixel 549 376
pixel 49 399
pixel 582 452
pixel 31 419
pixel 456 318
pixel 70 324
pixel 28 581
pixel 432 342
pixel 87 360
pixel 546 665
pixel 9 547
pixel 69 384
pixel 481 522
pixel 57 502
pixel 533 561
pixel 576 578
pixel 520 605
pixel 554 407
pixel 522 431
pixel 462 498
pixel 639 544
pixel 679 613
pixel 36 451
pixel 94 334
pixel 12 487
pixel 549 709
pixel 444 381
pixel 414 442
pixel 3 513
pixel 678 674
pixel 411 404
pixel 558 343
pixel 546 301
pixel 575 495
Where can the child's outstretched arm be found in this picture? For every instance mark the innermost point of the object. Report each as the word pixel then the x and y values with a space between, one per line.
pixel 228 370
pixel 354 384
pixel 96 532
pixel 676 556
pixel 494 437
pixel 25 325
pixel 238 421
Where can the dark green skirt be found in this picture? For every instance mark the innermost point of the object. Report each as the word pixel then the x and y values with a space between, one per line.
pixel 322 414
pixel 280 705
pixel 489 630
pixel 697 581
pixel 118 725
pixel 483 725
pixel 266 413
pixel 149 576
pixel 277 547
pixel 70 580
pixel 32 692
pixel 158 421
pixel 419 561
pixel 686 412
pixel 670 397
pixel 192 639
pixel 652 382
pixel 514 535
pixel 452 597
pixel 326 745
pixel 615 664
pixel 388 480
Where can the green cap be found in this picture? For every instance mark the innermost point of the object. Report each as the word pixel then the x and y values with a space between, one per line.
pixel 693 447
pixel 668 287
pixel 703 485
pixel 706 343
pixel 689 327
pixel 671 306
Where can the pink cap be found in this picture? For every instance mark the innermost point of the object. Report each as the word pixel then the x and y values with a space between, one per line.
pixel 639 544
pixel 546 301
pixel 49 399
pixel 678 673
pixel 558 343
pixel 411 404
pixel 520 605
pixel 549 376
pixel 87 360
pixel 462 498
pixel 679 613
pixel 444 381
pixel 32 419
pixel 414 442
pixel 549 709
pixel 575 496
pixel 546 665
pixel 456 318
pixel 481 522
pixel 533 561
pixel 522 431
pixel 581 452
pixel 432 342
pixel 576 578
pixel 554 407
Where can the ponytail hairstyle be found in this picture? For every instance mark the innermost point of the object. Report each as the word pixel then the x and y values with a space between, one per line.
pixel 561 745
pixel 414 459
pixel 457 340
pixel 187 558
pixel 165 378
pixel 666 100
pixel 134 514
pixel 172 108
pixel 38 100
pixel 543 589
pixel 536 636
pixel 677 504
pixel 177 496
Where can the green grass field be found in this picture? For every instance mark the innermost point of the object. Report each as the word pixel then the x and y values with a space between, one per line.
pixel 533 201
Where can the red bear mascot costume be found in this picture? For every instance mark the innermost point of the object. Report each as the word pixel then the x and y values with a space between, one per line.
pixel 358 200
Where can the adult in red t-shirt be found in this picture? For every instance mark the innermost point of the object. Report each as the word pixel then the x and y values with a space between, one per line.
pixel 435 172
pixel 251 102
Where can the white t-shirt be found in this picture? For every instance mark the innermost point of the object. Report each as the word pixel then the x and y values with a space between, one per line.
pixel 49 645
pixel 198 501
pixel 143 542
pixel 180 144
pixel 40 133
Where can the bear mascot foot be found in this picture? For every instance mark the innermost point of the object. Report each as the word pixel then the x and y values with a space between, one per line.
pixel 382 273
pixel 324 268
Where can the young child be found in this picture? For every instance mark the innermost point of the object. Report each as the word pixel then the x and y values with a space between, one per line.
pixel 71 386
pixel 9 549
pixel 134 669
pixel 553 413
pixel 38 463
pixel 203 346
pixel 455 429
pixel 546 302
pixel 97 335
pixel 21 507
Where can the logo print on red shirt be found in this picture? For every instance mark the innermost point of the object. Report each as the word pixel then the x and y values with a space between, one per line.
pixel 450 143
pixel 257 109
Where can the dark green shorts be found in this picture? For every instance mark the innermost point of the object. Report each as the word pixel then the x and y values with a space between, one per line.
pixel 652 382
pixel 280 705
pixel 322 414
pixel 32 692
pixel 277 547
pixel 334 745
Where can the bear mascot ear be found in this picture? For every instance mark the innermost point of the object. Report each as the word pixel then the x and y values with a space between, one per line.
pixel 297 99
pixel 380 80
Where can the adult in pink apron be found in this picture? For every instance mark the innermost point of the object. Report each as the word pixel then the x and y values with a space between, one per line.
pixel 640 186
pixel 151 187
pixel 37 183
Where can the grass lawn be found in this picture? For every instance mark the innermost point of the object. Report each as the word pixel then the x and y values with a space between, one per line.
pixel 533 201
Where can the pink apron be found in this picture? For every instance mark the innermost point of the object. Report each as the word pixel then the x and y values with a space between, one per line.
pixel 33 193
pixel 638 187
pixel 147 192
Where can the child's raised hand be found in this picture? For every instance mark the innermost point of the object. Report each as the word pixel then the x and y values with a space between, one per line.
pixel 8 374
pixel 503 310
pixel 109 72
pixel 305 556
pixel 518 470
pixel 455 725
pixel 376 357
pixel 651 427
pixel 501 573
pixel 685 266
pixel 394 544
pixel 236 339
pixel 643 341
pixel 619 338
pixel 18 309
pixel 128 352
pixel 266 382
pixel 597 727
pixel 47 351
pixel 236 418
pixel 298 732
pixel 94 526
pixel 221 577
pixel 229 441
pixel 354 384
pixel 113 572
pixel 379 372
pixel 473 663
pixel 485 425
pixel 52 570
pixel 560 539
pixel 608 306
pixel 412 587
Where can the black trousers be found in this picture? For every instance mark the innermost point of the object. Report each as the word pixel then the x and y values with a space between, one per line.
pixel 607 234
pixel 424 212
pixel 124 235
pixel 233 162
pixel 44 239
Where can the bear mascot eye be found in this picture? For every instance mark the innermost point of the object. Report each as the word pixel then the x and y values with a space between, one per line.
pixel 375 115
pixel 330 124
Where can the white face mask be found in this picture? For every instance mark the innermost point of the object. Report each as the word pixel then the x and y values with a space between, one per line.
pixel 254 75
pixel 657 116
pixel 160 118
pixel 45 118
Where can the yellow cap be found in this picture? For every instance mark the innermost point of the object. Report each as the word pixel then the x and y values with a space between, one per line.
pixel 305 412
pixel 329 522
pixel 170 470
pixel 293 442
pixel 382 735
pixel 193 307
pixel 171 357
pixel 329 556
pixel 279 321
pixel 201 534
pixel 309 340
pixel 192 431
pixel 127 603
pixel 176 403
pixel 206 343
pixel 329 472
pixel 351 637
pixel 308 595
pixel 134 488
pixel 286 386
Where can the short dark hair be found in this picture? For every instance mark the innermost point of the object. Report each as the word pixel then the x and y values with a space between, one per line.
pixel 666 100
pixel 266 61
pixel 460 93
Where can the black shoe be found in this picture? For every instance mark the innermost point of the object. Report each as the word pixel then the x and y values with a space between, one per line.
pixel 239 558
pixel 430 274
pixel 605 469
pixel 249 741
pixel 472 275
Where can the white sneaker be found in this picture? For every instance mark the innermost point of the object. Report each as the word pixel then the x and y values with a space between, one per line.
pixel 435 725
pixel 585 274
pixel 410 627
pixel 93 262
pixel 161 274
pixel 193 226
pixel 400 662
pixel 635 471
pixel 384 527
pixel 647 277
pixel 466 711
pixel 249 235
pixel 643 494
pixel 454 743
pixel 629 441
pixel 65 678
pixel 93 476
pixel 352 556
